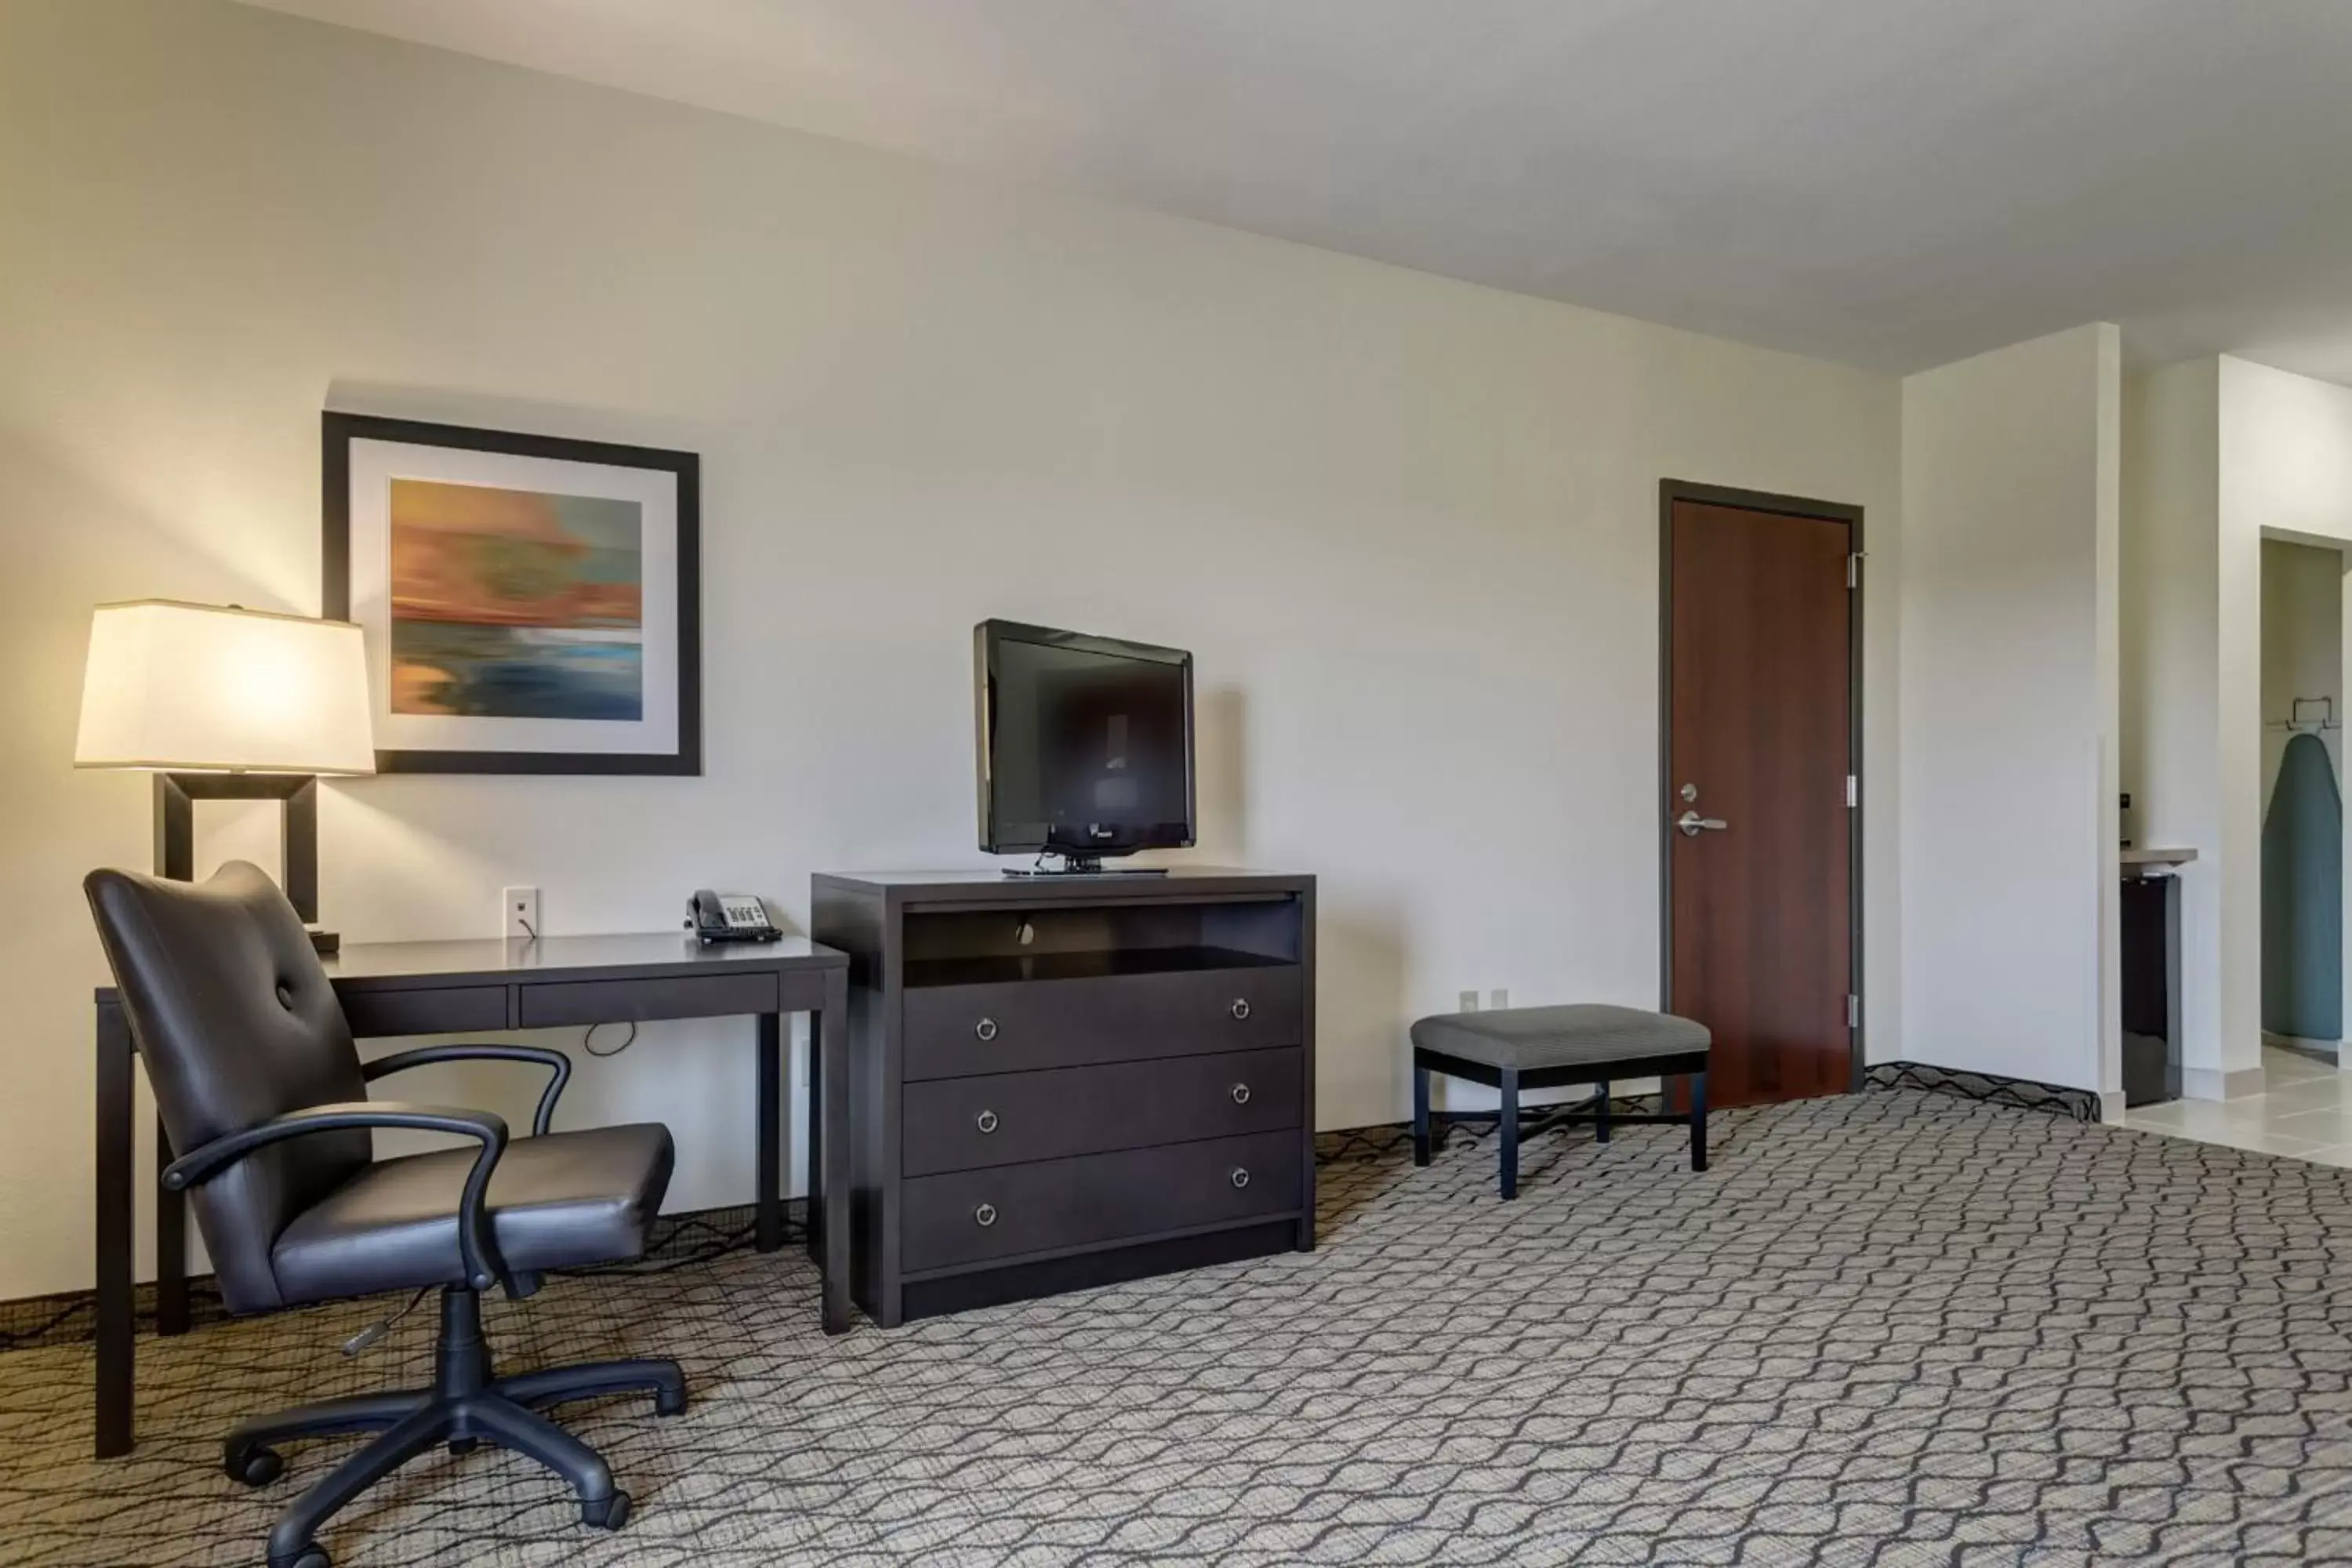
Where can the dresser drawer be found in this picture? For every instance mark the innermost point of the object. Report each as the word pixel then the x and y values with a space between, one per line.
pixel 434 1010
pixel 622 1001
pixel 1017 1026
pixel 972 1216
pixel 1005 1118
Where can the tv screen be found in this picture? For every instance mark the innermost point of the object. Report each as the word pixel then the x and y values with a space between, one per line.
pixel 1086 742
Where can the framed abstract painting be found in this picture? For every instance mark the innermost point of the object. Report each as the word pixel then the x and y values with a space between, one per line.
pixel 530 605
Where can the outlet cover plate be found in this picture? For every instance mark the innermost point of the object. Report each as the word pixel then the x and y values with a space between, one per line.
pixel 516 906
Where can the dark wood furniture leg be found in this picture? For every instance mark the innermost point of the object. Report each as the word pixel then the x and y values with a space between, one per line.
pixel 1508 1117
pixel 1420 1115
pixel 1699 1120
pixel 1601 1111
pixel 829 1145
pixel 171 1244
pixel 116 1345
pixel 768 1229
pixel 814 1227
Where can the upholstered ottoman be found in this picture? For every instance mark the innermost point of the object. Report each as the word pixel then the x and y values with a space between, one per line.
pixel 1542 1048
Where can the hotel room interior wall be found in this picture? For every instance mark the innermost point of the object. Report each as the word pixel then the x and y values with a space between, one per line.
pixel 2284 463
pixel 2303 654
pixel 1407 525
pixel 2009 662
pixel 2172 706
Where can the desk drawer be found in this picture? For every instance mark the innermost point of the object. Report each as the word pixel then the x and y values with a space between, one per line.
pixel 629 1001
pixel 1020 1025
pixel 1005 1118
pixel 973 1216
pixel 456 1010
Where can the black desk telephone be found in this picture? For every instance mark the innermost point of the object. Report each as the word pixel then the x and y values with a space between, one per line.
pixel 730 916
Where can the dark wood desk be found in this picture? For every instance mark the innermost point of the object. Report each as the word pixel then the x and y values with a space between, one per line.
pixel 458 987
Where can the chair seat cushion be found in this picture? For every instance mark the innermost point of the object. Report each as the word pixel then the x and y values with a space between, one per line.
pixel 557 1202
pixel 1532 1039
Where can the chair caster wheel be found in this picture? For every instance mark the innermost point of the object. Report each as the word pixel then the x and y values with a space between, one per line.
pixel 308 1557
pixel 464 1445
pixel 254 1467
pixel 669 1402
pixel 610 1513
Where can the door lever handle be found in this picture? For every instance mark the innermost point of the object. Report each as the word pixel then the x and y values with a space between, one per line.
pixel 1693 824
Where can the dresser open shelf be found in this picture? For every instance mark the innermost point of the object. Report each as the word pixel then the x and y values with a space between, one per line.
pixel 1065 1081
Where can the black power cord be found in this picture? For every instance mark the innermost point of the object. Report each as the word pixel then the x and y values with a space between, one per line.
pixel 588 1042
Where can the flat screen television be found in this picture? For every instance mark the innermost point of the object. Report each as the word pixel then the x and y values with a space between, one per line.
pixel 1085 742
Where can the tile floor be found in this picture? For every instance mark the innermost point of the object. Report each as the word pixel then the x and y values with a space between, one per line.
pixel 2305 1113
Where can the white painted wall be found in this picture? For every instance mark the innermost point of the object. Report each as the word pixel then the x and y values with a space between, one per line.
pixel 1408 526
pixel 2222 453
pixel 2171 708
pixel 2284 460
pixel 2010 672
pixel 2302 649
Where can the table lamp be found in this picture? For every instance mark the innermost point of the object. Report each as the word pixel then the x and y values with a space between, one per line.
pixel 227 704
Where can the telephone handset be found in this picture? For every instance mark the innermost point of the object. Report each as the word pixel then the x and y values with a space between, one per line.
pixel 730 916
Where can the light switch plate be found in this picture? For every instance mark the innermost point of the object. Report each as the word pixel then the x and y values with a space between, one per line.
pixel 519 912
pixel 1498 998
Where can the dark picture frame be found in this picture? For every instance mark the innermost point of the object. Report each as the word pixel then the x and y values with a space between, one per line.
pixel 340 430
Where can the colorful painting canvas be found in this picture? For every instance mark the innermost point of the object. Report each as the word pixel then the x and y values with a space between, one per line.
pixel 515 603
pixel 530 603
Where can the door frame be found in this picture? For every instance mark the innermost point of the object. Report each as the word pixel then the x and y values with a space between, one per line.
pixel 1669 492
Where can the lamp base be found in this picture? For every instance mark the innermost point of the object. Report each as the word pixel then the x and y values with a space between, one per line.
pixel 325 943
pixel 175 827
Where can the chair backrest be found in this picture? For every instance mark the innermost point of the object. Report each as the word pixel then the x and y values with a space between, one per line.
pixel 237 1024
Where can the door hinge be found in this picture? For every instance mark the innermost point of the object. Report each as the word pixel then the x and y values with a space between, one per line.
pixel 1853 568
pixel 1853 1011
pixel 1853 791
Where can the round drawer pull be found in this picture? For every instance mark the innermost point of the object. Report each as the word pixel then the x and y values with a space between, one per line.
pixel 986 1122
pixel 985 1028
pixel 1240 1009
pixel 1241 1176
pixel 1241 1094
pixel 984 1215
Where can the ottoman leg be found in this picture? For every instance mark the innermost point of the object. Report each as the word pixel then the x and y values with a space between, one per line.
pixel 1602 1105
pixel 1508 1123
pixel 1421 1115
pixel 1699 1120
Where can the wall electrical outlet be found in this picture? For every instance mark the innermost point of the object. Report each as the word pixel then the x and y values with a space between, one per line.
pixel 1498 998
pixel 1469 1000
pixel 519 912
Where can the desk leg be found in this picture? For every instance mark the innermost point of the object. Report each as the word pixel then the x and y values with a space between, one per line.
pixel 829 1149
pixel 171 1245
pixel 116 1346
pixel 766 1193
pixel 815 1226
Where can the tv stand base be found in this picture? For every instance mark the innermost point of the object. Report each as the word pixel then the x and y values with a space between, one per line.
pixel 1086 866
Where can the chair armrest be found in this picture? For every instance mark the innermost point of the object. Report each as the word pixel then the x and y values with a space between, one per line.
pixel 557 1061
pixel 483 1267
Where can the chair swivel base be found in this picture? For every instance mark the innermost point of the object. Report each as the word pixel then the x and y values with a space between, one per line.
pixel 467 1406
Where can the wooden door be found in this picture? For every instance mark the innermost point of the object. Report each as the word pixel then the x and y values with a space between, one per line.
pixel 1760 832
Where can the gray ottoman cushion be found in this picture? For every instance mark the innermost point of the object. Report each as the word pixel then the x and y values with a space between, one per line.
pixel 1583 1035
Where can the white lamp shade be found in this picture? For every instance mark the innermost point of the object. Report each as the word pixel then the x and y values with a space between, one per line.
pixel 198 688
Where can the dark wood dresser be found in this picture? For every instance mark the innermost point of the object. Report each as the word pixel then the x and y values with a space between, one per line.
pixel 1063 1081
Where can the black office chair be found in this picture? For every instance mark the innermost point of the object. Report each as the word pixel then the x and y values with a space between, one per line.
pixel 257 1079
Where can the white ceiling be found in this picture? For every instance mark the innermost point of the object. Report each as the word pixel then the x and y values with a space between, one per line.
pixel 1891 183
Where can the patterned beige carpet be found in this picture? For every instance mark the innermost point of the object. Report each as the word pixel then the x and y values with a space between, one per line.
pixel 1893 1329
